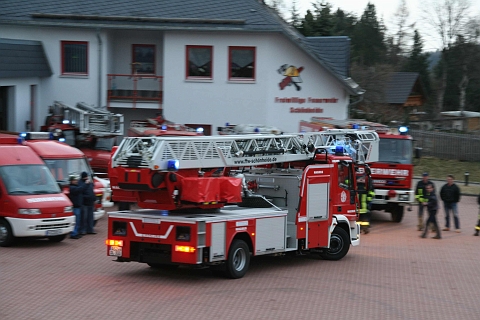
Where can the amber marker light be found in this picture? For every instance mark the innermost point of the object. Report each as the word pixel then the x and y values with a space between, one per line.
pixel 118 243
pixel 301 228
pixel 187 249
pixel 156 167
pixel 253 234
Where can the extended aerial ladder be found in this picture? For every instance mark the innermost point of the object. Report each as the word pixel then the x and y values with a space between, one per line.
pixel 156 153
pixel 88 119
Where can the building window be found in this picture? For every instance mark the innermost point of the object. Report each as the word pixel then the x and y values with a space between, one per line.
pixel 143 59
pixel 75 57
pixel 199 62
pixel 242 63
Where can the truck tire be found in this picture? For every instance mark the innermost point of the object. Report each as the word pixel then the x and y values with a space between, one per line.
pixel 238 259
pixel 59 238
pixel 124 206
pixel 339 245
pixel 6 236
pixel 397 213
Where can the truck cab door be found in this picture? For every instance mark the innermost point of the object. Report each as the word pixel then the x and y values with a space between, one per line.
pixel 318 209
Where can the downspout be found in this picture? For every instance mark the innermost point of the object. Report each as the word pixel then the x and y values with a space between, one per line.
pixel 350 105
pixel 99 102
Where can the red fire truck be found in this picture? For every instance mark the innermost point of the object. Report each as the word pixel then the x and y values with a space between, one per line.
pixel 393 173
pixel 31 203
pixel 63 161
pixel 214 201
pixel 92 130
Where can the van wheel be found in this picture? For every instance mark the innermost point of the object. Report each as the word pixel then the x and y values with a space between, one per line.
pixel 57 238
pixel 238 259
pixel 6 235
pixel 339 245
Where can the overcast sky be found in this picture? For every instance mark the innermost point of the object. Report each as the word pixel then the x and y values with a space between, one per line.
pixel 385 9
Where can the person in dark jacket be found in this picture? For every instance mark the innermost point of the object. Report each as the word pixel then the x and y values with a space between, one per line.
pixel 88 204
pixel 450 195
pixel 419 196
pixel 432 207
pixel 76 196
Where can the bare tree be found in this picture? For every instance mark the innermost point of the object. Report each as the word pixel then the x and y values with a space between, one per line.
pixel 403 27
pixel 448 19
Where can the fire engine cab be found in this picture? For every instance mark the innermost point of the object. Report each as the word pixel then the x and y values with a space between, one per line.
pixel 392 174
pixel 216 200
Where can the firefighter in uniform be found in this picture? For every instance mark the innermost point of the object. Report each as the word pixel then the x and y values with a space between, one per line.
pixel 365 197
pixel 420 193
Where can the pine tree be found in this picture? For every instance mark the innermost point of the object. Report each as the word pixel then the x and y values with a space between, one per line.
pixel 418 62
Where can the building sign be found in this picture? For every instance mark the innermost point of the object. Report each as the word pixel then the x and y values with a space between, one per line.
pixel 292 76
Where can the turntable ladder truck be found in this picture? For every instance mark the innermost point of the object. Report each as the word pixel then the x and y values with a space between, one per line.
pixel 216 200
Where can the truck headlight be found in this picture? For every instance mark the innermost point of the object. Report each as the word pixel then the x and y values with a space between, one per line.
pixel 68 209
pixel 29 211
pixel 403 197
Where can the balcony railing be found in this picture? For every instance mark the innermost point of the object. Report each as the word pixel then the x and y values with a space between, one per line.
pixel 135 88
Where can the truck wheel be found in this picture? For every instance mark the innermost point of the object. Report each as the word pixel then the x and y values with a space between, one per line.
pixel 339 245
pixel 6 235
pixel 123 206
pixel 397 213
pixel 238 259
pixel 57 238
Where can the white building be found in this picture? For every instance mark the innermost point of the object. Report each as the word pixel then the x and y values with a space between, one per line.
pixel 203 62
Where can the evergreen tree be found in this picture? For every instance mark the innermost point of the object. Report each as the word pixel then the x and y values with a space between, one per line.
pixel 418 62
pixel 368 46
pixel 295 16
pixel 343 23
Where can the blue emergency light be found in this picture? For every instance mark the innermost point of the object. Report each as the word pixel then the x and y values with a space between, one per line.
pixel 173 165
pixel 355 126
pixel 200 130
pixel 164 127
pixel 403 129
pixel 339 150
pixel 37 135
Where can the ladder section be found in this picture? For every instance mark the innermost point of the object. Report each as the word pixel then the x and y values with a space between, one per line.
pixel 89 119
pixel 241 150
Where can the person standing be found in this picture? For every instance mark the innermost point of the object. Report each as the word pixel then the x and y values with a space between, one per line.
pixel 450 195
pixel 420 196
pixel 76 196
pixel 432 207
pixel 88 204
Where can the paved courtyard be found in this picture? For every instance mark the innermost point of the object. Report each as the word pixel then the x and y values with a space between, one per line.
pixel 393 274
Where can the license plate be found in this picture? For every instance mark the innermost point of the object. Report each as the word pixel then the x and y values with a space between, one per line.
pixel 55 232
pixel 115 251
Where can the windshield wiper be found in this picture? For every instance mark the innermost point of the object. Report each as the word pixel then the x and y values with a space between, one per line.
pixel 45 191
pixel 389 161
pixel 20 192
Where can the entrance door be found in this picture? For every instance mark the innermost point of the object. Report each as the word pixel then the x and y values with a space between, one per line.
pixel 3 108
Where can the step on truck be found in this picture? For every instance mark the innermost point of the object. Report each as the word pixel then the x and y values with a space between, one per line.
pixel 31 202
pixel 216 201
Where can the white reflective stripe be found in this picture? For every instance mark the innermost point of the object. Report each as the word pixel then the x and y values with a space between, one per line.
pixel 143 235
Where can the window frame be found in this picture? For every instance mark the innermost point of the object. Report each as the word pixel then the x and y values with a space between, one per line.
pixel 136 45
pixel 63 59
pixel 241 79
pixel 187 69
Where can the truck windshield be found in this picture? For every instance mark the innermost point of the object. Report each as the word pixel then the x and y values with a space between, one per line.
pixel 28 179
pixel 63 168
pixel 396 151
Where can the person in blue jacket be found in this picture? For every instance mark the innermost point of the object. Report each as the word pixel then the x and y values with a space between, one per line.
pixel 76 197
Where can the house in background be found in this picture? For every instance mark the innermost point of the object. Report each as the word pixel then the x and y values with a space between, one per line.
pixel 404 90
pixel 206 62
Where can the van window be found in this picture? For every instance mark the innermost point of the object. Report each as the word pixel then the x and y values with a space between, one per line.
pixel 28 179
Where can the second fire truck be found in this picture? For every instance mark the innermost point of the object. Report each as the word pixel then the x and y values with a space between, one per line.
pixel 392 174
pixel 215 201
